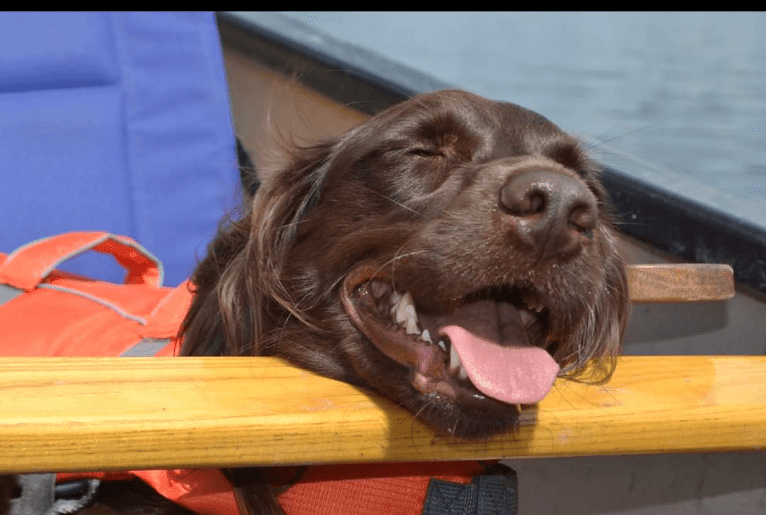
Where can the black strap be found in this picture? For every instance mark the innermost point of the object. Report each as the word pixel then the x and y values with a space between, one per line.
pixel 491 494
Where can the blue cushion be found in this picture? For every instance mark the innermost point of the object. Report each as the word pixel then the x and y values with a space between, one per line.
pixel 116 122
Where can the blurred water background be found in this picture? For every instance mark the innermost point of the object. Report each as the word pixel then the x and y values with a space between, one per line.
pixel 684 90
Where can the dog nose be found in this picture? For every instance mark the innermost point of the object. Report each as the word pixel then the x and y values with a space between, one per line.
pixel 551 213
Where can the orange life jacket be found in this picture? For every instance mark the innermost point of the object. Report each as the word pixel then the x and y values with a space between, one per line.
pixel 83 317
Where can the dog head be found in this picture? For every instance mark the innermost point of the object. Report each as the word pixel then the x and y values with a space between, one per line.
pixel 453 254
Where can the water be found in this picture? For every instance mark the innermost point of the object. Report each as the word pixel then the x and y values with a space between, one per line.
pixel 684 90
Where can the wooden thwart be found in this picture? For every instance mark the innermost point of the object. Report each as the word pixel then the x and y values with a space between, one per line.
pixel 680 282
pixel 78 414
pixel 68 414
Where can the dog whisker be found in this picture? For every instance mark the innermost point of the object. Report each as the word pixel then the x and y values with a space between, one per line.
pixel 407 208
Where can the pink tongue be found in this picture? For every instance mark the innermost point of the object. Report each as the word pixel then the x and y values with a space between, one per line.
pixel 496 355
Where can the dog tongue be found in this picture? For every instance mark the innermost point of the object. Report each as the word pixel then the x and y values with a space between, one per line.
pixel 490 339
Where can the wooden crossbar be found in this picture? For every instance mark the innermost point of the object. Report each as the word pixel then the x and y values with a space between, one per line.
pixel 680 282
pixel 68 414
pixel 78 414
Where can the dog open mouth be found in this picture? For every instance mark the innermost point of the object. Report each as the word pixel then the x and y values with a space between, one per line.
pixel 489 347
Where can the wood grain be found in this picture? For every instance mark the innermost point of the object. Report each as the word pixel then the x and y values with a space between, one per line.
pixel 70 414
pixel 680 283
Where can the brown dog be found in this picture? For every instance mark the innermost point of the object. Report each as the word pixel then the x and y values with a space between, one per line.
pixel 452 254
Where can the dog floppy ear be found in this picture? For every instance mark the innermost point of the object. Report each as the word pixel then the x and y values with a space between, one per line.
pixel 238 284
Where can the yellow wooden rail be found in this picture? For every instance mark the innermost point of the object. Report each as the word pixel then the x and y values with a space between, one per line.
pixel 70 414
pixel 66 414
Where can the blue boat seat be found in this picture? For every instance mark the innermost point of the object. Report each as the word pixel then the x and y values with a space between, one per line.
pixel 116 122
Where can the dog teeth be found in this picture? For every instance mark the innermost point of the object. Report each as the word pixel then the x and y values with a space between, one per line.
pixel 411 327
pixel 402 308
pixel 533 302
pixel 454 359
pixel 397 302
pixel 403 313
pixel 455 366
